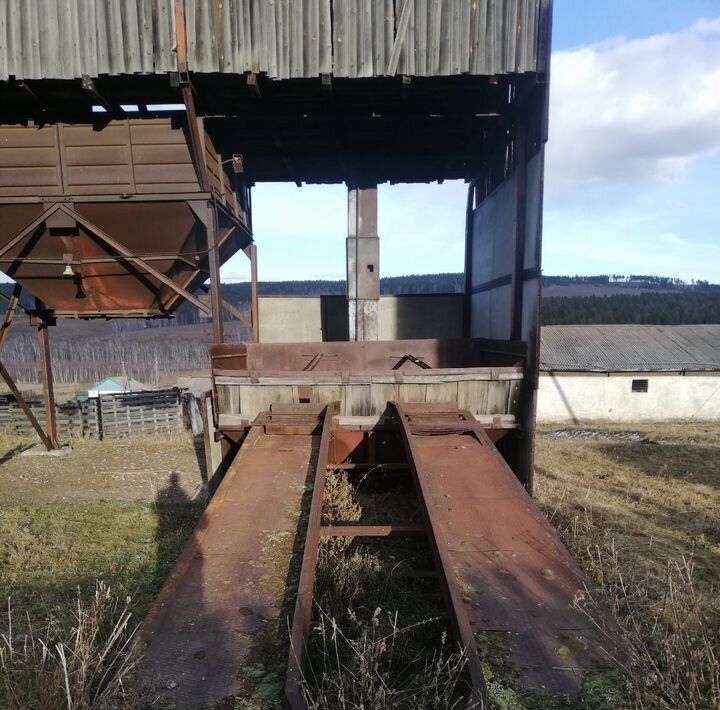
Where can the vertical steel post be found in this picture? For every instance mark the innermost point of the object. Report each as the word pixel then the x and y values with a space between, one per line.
pixel 215 285
pixel 520 236
pixel 47 378
pixel 254 294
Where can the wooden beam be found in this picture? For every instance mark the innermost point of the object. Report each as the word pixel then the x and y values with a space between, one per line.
pixel 254 293
pixel 403 25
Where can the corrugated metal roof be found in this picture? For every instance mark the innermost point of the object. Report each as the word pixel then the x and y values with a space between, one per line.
pixel 64 39
pixel 630 348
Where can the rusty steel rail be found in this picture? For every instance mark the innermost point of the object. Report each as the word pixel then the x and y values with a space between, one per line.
pixel 439 545
pixel 302 618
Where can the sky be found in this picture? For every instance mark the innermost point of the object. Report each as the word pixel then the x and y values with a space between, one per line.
pixel 632 171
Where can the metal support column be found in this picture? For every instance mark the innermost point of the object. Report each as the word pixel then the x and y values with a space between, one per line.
pixel 215 285
pixel 251 251
pixel 519 237
pixel 47 376
pixel 363 264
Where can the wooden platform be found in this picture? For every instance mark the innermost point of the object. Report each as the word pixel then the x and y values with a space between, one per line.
pixel 225 604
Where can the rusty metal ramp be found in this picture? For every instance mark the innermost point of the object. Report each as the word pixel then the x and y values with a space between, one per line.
pixel 223 609
pixel 509 578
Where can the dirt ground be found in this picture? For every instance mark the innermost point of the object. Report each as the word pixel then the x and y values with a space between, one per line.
pixel 162 467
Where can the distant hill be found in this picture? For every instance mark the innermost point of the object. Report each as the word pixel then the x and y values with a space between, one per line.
pixel 566 299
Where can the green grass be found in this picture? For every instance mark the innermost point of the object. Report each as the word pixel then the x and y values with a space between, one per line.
pixel 48 553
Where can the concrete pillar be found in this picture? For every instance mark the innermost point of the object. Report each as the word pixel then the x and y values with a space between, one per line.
pixel 363 264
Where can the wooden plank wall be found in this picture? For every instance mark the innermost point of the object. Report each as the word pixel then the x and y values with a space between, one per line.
pixel 64 39
pixel 238 396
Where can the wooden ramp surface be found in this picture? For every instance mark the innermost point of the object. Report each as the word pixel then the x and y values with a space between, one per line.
pixel 229 584
pixel 516 578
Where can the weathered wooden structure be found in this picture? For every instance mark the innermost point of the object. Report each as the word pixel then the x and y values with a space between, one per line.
pixel 103 187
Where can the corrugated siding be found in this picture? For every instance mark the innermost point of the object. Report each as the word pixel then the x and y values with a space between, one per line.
pixel 63 39
pixel 628 348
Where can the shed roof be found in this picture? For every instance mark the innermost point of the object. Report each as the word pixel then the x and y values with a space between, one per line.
pixel 630 348
pixel 120 384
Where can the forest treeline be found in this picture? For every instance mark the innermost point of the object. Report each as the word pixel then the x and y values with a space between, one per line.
pixel 682 308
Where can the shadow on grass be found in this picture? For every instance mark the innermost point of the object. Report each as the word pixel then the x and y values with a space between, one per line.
pixel 14 452
pixel 683 462
pixel 49 553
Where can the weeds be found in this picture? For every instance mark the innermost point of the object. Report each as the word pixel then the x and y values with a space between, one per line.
pixel 82 668
pixel 631 515
pixel 366 668
pixel 669 637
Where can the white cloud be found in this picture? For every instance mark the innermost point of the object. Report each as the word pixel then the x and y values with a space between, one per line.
pixel 634 110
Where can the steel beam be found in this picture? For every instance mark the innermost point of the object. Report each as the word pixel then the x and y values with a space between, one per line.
pixel 216 307
pixel 47 378
pixel 451 592
pixel 519 236
pixel 302 618
pixel 373 531
pixel 9 315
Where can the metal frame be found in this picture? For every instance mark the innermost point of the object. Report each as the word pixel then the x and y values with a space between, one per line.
pixel 300 629
pixel 302 616
pixel 49 439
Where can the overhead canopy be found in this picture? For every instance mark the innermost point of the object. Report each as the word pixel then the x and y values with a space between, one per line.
pixel 320 91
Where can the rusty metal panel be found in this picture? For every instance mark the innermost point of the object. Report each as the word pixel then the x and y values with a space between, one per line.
pixel 29 161
pixel 374 357
pixel 102 175
pixel 518 580
pixel 224 604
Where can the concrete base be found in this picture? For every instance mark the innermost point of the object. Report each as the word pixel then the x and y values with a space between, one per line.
pixel 40 450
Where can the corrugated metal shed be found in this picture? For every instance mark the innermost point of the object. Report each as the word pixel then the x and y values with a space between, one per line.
pixel 630 348
pixel 64 39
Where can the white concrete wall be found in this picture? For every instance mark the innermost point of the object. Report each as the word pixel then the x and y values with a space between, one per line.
pixel 300 319
pixel 581 398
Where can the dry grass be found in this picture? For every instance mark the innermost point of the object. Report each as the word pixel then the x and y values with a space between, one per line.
pixel 368 666
pixel 79 667
pixel 642 518
pixel 378 639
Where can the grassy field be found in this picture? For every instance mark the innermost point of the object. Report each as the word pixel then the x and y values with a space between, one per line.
pixel 638 507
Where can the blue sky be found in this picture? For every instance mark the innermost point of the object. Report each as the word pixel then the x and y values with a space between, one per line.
pixel 633 162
